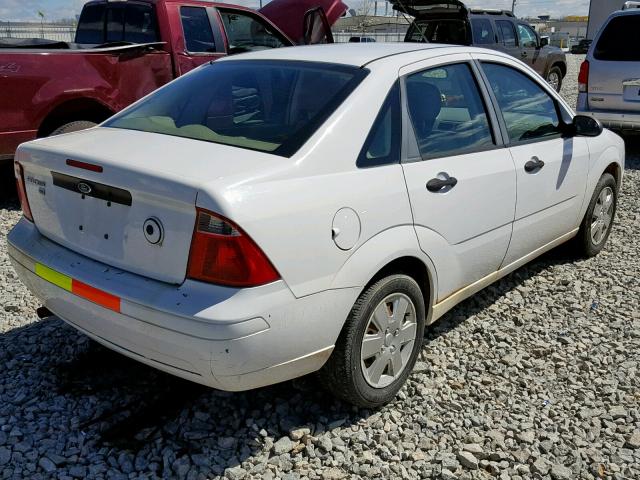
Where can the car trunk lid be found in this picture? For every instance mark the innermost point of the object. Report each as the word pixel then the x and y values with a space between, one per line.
pixel 427 8
pixel 122 197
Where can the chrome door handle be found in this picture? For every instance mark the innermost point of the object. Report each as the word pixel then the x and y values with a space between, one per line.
pixel 437 184
pixel 533 165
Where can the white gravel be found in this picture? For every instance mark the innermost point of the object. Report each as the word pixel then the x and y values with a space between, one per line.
pixel 535 377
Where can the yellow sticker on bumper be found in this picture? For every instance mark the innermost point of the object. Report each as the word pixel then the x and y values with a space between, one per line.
pixel 54 277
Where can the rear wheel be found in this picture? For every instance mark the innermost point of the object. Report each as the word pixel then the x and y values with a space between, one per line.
pixel 596 224
pixel 73 127
pixel 379 343
pixel 554 77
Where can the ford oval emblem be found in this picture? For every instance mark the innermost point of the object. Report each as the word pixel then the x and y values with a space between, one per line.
pixel 84 188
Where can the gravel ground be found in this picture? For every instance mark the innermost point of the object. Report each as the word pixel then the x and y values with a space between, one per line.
pixel 535 377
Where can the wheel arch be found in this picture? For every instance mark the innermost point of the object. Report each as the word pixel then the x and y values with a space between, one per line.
pixel 401 254
pixel 614 169
pixel 72 110
pixel 561 65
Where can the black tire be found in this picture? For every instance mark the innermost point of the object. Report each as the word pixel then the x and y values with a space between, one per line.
pixel 584 241
pixel 555 70
pixel 73 127
pixel 343 374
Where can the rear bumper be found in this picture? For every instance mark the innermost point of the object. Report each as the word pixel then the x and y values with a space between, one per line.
pixel 615 120
pixel 231 339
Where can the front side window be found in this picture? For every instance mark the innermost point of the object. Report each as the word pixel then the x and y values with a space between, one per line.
pixel 447 111
pixel 198 36
pixel 527 37
pixel 528 110
pixel 482 31
pixel 507 33
pixel 258 105
pixel 619 40
pixel 246 32
pixel 382 146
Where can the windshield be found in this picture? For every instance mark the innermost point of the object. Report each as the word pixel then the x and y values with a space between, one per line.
pixel 269 106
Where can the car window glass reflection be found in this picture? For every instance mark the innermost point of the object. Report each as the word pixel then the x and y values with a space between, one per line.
pixel 528 111
pixel 447 111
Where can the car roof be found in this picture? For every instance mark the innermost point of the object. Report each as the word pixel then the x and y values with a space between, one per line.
pixel 354 54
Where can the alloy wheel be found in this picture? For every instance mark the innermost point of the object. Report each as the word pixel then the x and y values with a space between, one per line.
pixel 602 216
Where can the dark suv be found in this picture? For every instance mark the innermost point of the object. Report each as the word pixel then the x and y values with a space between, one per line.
pixel 450 21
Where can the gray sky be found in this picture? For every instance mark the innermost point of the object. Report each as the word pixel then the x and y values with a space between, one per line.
pixel 56 9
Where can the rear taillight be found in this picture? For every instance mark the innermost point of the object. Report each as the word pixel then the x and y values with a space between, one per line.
pixel 222 253
pixel 583 77
pixel 22 191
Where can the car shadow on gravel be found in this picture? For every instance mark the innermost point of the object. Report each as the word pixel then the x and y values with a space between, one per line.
pixel 632 144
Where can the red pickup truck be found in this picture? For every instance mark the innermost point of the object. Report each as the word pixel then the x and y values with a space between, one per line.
pixel 125 49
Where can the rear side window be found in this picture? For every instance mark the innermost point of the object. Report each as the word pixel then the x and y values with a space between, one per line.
pixel 258 105
pixel 447 111
pixel 507 33
pixel 528 111
pixel 91 25
pixel 482 31
pixel 198 36
pixel 382 146
pixel 620 40
pixel 246 32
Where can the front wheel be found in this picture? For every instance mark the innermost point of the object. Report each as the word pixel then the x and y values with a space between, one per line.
pixel 597 222
pixel 554 78
pixel 379 343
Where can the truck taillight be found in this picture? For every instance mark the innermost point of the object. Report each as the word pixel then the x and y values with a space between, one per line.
pixel 22 191
pixel 222 253
pixel 583 77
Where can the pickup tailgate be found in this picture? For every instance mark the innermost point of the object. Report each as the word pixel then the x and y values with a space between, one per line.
pixel 146 179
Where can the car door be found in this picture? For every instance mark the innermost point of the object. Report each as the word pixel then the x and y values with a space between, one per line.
pixel 529 48
pixel 551 168
pixel 461 180
pixel 201 39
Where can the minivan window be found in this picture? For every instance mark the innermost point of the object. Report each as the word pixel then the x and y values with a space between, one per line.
pixel 620 40
pixel 198 36
pixel 482 31
pixel 269 106
pixel 528 111
pixel 447 111
pixel 507 33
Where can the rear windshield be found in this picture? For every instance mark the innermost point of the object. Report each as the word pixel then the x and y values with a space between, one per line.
pixel 117 22
pixel 451 31
pixel 267 106
pixel 620 40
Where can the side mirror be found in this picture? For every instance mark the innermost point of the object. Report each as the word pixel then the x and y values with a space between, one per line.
pixel 586 126
pixel 544 41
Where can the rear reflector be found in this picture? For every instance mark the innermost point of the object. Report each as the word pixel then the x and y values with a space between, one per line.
pixel 79 288
pixel 222 253
pixel 22 191
pixel 85 166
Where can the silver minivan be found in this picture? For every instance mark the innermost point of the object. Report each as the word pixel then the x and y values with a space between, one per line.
pixel 609 79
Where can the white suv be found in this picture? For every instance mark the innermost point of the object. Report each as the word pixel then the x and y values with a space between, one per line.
pixel 306 209
pixel 609 80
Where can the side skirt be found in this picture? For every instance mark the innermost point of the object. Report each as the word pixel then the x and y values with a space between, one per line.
pixel 439 309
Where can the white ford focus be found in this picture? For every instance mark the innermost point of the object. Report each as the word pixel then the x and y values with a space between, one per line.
pixel 306 209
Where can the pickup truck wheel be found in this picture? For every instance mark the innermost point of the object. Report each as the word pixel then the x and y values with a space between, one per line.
pixel 597 222
pixel 73 127
pixel 379 343
pixel 554 78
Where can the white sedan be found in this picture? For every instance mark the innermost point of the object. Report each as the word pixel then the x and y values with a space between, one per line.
pixel 308 209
